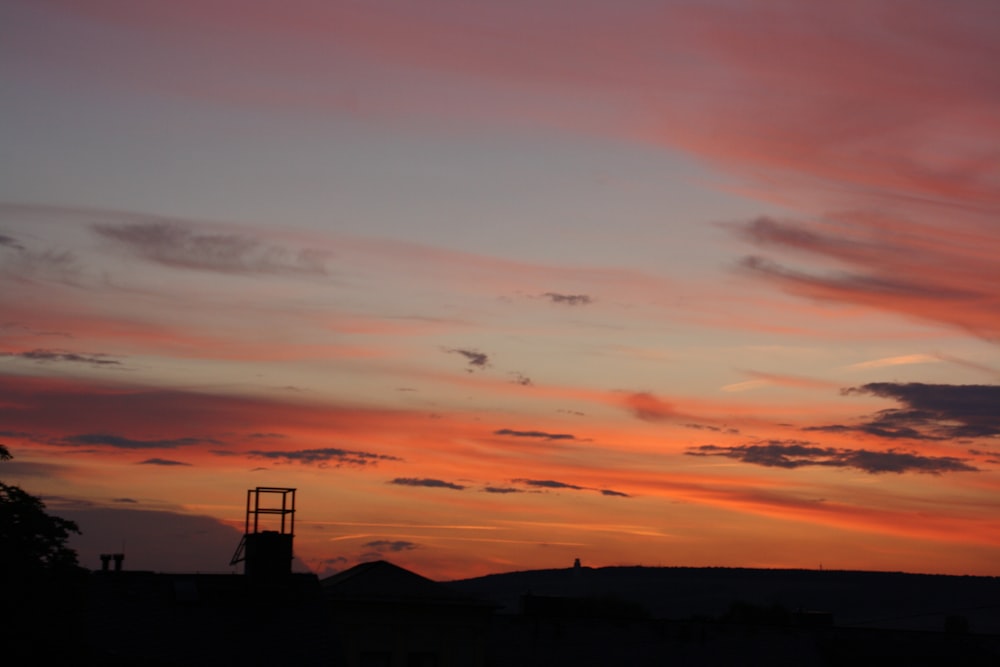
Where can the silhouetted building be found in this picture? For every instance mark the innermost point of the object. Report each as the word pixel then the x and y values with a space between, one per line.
pixel 387 616
pixel 377 614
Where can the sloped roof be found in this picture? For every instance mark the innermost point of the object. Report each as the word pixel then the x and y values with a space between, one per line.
pixel 382 580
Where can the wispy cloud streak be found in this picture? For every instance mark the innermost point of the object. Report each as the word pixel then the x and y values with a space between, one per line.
pixel 121 442
pixel 568 299
pixel 542 435
pixel 62 355
pixel 324 456
pixel 888 270
pixel 427 482
pixel 179 245
pixel 791 455
pixel 159 462
pixel 557 485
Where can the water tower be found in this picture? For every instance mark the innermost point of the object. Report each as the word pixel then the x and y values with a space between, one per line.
pixel 266 547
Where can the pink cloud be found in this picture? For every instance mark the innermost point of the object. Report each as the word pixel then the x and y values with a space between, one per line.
pixel 933 273
pixel 858 93
pixel 853 106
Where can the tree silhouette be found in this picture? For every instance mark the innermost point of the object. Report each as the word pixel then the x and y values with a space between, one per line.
pixel 41 584
pixel 32 539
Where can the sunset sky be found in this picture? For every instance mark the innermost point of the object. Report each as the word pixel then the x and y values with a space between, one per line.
pixel 497 285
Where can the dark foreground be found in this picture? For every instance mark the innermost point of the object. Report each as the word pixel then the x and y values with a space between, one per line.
pixel 380 614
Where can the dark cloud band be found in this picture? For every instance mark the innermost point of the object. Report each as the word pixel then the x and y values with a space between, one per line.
pixel 63 356
pixel 797 454
pixel 120 442
pixel 542 435
pixel 324 456
pixel 568 299
pixel 430 483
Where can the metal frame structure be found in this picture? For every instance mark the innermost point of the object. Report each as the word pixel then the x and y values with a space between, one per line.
pixel 285 512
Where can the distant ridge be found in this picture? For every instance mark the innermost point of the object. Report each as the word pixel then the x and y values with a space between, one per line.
pixel 855 598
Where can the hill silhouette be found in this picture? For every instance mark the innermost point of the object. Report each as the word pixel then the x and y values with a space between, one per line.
pixel 886 600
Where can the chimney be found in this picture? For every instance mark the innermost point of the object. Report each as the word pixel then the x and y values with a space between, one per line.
pixel 105 562
pixel 118 561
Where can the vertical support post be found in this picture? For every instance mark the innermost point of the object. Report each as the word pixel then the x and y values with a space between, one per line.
pixel 265 552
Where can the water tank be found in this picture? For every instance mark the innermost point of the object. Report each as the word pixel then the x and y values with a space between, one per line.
pixel 268 555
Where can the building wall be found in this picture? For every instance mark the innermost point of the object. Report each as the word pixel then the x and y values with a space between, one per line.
pixel 411 634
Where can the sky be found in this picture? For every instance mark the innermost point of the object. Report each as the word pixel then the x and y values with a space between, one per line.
pixel 495 286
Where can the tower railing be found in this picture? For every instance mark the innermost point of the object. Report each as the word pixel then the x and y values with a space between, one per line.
pixel 266 546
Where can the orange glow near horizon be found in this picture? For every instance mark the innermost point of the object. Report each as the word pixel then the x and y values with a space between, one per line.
pixel 497 286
